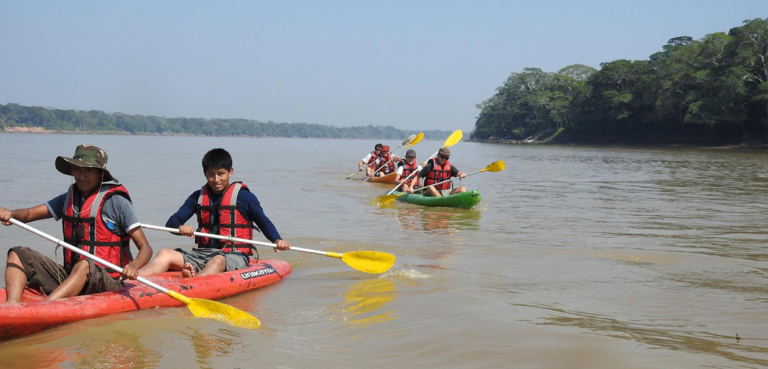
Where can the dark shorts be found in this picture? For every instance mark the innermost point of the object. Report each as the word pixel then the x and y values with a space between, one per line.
pixel 198 258
pixel 43 274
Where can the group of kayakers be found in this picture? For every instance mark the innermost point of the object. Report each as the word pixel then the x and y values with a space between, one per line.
pixel 432 172
pixel 98 217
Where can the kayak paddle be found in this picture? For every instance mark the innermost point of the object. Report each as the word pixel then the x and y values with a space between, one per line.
pixel 496 166
pixel 450 141
pixel 352 175
pixel 406 141
pixel 200 308
pixel 373 262
pixel 416 140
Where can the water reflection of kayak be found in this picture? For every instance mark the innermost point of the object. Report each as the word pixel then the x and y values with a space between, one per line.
pixel 464 200
pixel 35 314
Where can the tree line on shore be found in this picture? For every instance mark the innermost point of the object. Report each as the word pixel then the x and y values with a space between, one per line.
pixel 708 91
pixel 95 121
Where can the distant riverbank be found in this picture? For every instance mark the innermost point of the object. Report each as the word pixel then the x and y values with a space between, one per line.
pixel 744 145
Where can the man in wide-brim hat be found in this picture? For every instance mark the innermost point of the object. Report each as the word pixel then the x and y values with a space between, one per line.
pixel 98 217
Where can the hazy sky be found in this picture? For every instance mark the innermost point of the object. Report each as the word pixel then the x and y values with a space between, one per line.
pixel 409 64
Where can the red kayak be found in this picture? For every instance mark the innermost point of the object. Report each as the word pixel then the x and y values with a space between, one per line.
pixel 34 314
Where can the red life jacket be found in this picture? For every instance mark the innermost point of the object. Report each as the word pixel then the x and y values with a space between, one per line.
pixel 407 170
pixel 223 219
pixel 87 230
pixel 439 174
pixel 387 165
pixel 372 159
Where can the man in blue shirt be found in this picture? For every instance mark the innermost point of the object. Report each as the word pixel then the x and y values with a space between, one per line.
pixel 222 208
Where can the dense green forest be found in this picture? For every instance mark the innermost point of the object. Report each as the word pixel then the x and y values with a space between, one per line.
pixel 95 121
pixel 708 91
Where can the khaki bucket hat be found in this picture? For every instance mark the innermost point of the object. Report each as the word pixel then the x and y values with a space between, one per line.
pixel 86 156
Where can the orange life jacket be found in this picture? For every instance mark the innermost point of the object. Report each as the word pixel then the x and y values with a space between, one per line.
pixel 223 219
pixel 87 230
pixel 439 174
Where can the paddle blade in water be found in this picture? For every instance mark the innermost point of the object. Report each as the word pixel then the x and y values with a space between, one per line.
pixel 352 175
pixel 453 138
pixel 496 166
pixel 373 262
pixel 202 308
pixel 387 199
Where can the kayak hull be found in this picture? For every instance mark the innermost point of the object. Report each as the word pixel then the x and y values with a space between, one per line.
pixel 464 200
pixel 34 314
pixel 388 178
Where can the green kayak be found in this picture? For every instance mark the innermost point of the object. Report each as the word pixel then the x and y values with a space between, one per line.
pixel 464 200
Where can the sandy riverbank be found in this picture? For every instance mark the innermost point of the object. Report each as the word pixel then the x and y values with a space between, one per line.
pixel 26 130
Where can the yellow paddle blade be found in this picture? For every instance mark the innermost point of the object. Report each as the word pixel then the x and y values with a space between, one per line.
pixel 417 139
pixel 453 138
pixel 373 262
pixel 387 199
pixel 496 166
pixel 215 310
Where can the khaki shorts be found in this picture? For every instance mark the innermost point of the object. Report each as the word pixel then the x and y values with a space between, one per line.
pixel 43 274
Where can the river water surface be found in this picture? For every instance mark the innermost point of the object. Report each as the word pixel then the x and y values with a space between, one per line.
pixel 577 257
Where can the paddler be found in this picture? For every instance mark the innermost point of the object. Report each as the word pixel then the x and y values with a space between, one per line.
pixel 97 216
pixel 404 170
pixel 222 208
pixel 368 160
pixel 440 169
pixel 384 163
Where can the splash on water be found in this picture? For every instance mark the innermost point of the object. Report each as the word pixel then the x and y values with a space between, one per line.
pixel 405 274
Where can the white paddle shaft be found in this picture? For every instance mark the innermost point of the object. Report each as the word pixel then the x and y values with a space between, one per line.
pixel 447 180
pixel 411 175
pixel 86 254
pixel 231 239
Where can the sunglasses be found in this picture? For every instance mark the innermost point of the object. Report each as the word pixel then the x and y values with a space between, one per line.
pixel 410 157
pixel 444 157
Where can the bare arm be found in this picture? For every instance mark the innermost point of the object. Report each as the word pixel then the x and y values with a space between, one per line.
pixel 24 215
pixel 131 271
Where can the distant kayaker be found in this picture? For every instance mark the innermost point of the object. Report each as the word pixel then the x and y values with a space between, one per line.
pixel 404 170
pixel 440 169
pixel 384 163
pixel 368 160
pixel 217 213
pixel 97 216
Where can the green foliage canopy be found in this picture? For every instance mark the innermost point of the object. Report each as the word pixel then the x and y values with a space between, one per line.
pixel 708 91
pixel 15 115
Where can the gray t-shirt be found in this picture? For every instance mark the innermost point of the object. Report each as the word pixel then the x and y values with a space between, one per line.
pixel 118 213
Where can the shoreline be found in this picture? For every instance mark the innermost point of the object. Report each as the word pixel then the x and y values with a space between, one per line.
pixel 744 145
pixel 40 130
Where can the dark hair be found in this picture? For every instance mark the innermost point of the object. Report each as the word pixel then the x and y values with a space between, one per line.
pixel 217 158
pixel 378 146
